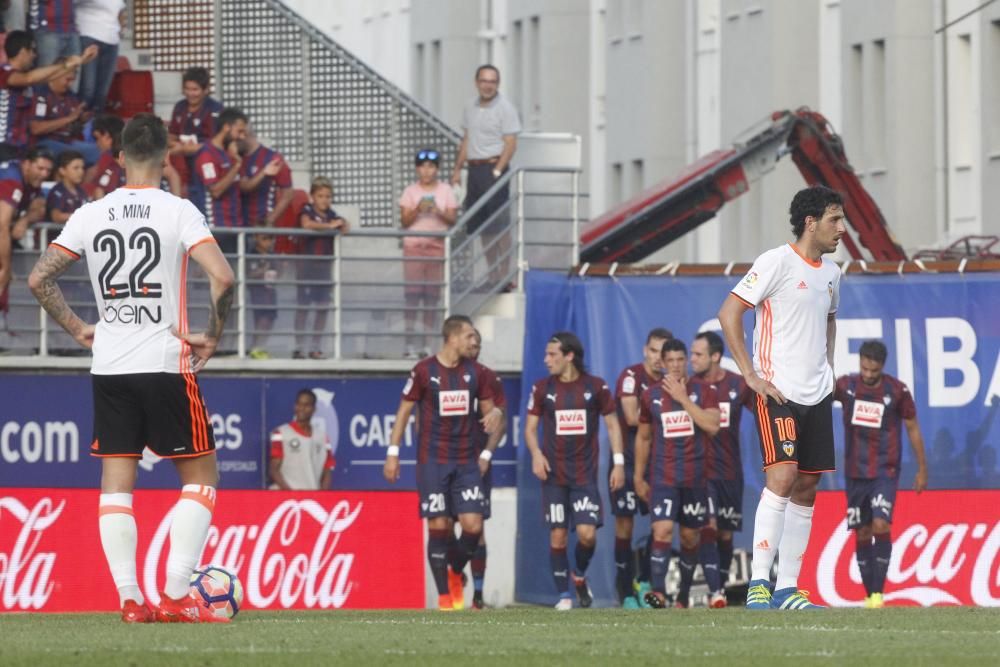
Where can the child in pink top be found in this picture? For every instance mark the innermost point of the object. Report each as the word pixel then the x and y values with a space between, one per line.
pixel 428 205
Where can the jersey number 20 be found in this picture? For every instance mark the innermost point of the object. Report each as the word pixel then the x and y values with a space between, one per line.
pixel 145 240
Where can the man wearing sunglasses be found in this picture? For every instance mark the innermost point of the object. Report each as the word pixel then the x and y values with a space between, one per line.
pixel 491 127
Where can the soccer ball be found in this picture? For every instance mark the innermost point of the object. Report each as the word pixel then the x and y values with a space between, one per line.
pixel 219 590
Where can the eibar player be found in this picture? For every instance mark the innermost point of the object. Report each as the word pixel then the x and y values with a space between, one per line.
pixel 874 405
pixel 569 405
pixel 138 241
pixel 723 463
pixel 446 387
pixel 486 444
pixel 677 418
pixel 632 381
pixel 795 292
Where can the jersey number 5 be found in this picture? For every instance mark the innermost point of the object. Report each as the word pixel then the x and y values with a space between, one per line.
pixel 145 240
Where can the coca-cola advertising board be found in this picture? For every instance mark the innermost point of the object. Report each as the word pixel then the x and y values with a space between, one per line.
pixel 946 551
pixel 291 550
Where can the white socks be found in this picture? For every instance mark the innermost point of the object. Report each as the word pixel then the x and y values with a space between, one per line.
pixel 798 522
pixel 119 537
pixel 188 530
pixel 767 530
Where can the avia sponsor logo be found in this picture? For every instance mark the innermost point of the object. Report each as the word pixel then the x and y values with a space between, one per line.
pixel 453 403
pixel 946 550
pixel 585 505
pixel 40 442
pixel 676 424
pixel 724 414
pixel 571 422
pixel 291 550
pixel 867 413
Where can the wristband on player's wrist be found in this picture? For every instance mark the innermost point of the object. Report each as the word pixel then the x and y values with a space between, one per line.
pixel 618 458
pixel 486 455
pixel 392 450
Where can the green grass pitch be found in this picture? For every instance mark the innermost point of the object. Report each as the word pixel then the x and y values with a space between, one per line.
pixel 516 636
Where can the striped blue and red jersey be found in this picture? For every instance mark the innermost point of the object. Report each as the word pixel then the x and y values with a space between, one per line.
pixel 873 417
pixel 318 244
pixel 198 123
pixel 499 400
pixel 445 408
pixel 259 202
pixel 723 460
pixel 49 106
pixel 64 199
pixel 15 109
pixel 570 414
pixel 13 190
pixel 109 175
pixel 677 452
pixel 52 16
pixel 631 383
pixel 211 164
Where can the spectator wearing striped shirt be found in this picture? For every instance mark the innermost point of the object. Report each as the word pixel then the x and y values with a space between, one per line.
pixel 265 181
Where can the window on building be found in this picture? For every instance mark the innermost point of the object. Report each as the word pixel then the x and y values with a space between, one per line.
pixel 854 129
pixel 635 178
pixel 420 72
pixel 434 79
pixel 962 116
pixel 876 126
pixel 534 101
pixel 992 104
pixel 633 18
pixel 517 73
pixel 615 20
pixel 617 187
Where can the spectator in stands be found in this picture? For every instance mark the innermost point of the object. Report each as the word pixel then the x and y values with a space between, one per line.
pixel 214 188
pixel 315 265
pixel 301 457
pixel 107 175
pixel 194 120
pixel 262 270
pixel 53 23
pixel 265 181
pixel 59 117
pixel 67 194
pixel 428 205
pixel 20 204
pixel 16 77
pixel 99 23
pixel 491 127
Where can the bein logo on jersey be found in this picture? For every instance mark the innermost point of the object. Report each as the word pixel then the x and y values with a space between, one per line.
pixel 867 413
pixel 571 422
pixel 676 424
pixel 125 313
pixel 453 403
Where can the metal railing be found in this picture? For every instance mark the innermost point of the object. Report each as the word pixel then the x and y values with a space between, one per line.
pixel 364 299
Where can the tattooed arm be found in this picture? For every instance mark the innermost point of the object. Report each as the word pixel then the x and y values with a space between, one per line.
pixel 42 282
pixel 220 281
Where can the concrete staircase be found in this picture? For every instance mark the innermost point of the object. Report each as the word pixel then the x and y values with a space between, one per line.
pixel 501 322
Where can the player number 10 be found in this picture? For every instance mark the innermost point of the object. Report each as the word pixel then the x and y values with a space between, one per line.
pixel 786 428
pixel 557 512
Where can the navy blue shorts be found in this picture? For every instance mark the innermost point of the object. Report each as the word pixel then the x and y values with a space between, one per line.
pixel 487 489
pixel 725 503
pixel 624 502
pixel 581 503
pixel 680 504
pixel 869 499
pixel 449 489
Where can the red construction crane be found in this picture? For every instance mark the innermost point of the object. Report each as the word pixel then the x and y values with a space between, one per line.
pixel 665 212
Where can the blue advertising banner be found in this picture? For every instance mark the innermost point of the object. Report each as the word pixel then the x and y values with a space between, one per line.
pixel 943 335
pixel 46 426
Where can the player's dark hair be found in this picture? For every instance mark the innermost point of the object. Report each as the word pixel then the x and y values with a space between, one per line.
pixel 66 157
pixel 144 139
pixel 659 333
pixel 714 341
pixel 17 41
pixel 568 342
pixel 482 68
pixel 454 324
pixel 38 153
pixel 231 116
pixel 198 75
pixel 109 125
pixel 306 392
pixel 673 345
pixel 811 202
pixel 874 350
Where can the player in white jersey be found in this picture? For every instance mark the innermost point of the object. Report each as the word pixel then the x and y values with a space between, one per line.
pixel 795 292
pixel 301 459
pixel 137 241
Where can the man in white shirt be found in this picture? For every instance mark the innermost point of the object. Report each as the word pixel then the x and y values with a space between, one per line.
pixel 301 458
pixel 138 241
pixel 795 292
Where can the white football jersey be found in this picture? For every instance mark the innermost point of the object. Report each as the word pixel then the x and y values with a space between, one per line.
pixel 303 457
pixel 792 297
pixel 136 242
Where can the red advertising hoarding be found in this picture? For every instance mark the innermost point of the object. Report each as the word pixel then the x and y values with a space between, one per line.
pixel 323 550
pixel 946 551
